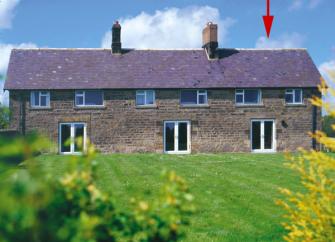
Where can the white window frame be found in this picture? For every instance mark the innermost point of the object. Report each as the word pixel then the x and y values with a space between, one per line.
pixel 72 152
pixel 144 93
pixel 292 91
pixel 40 94
pixel 200 92
pixel 176 137
pixel 274 137
pixel 242 92
pixel 82 93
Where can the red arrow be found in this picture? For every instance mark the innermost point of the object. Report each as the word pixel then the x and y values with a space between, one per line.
pixel 268 19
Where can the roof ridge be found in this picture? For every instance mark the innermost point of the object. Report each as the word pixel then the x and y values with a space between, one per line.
pixel 159 49
pixel 109 49
pixel 46 48
pixel 260 49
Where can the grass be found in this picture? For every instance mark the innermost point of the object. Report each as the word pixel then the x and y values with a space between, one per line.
pixel 235 193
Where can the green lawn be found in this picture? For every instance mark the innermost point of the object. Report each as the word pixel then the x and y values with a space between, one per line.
pixel 234 193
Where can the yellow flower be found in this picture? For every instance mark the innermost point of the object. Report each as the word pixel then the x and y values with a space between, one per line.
pixel 91 188
pixel 173 227
pixel 85 175
pixel 144 206
pixel 171 200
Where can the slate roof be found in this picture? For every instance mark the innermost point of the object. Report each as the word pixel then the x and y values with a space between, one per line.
pixel 98 68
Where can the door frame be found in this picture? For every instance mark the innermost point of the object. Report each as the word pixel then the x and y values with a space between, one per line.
pixel 274 137
pixel 176 123
pixel 71 152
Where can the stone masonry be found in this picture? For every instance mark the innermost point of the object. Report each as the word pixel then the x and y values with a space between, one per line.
pixel 120 126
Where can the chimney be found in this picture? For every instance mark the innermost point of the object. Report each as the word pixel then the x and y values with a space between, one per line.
pixel 210 39
pixel 116 38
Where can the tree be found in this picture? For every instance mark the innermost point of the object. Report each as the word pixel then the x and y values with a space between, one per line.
pixel 327 122
pixel 4 111
pixel 4 117
pixel 310 215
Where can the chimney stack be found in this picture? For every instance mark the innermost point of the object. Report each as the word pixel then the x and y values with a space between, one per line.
pixel 116 38
pixel 210 39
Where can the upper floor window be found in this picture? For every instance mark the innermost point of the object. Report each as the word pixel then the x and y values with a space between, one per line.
pixel 40 99
pixel 145 97
pixel 248 96
pixel 293 96
pixel 89 98
pixel 193 97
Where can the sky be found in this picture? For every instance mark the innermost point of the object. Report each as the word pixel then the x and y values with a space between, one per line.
pixel 166 24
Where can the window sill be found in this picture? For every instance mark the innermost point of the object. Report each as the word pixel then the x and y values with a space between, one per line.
pixel 295 105
pixel 146 107
pixel 249 105
pixel 89 107
pixel 194 106
pixel 39 108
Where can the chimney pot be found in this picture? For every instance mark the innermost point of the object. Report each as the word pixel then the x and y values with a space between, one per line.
pixel 210 39
pixel 116 38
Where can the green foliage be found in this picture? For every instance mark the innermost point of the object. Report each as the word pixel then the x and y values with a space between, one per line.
pixel 36 206
pixel 327 122
pixel 310 215
pixel 16 150
pixel 4 117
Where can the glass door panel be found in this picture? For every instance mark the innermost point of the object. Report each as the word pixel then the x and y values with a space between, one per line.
pixel 182 136
pixel 79 137
pixel 256 135
pixel 169 136
pixel 65 136
pixel 268 135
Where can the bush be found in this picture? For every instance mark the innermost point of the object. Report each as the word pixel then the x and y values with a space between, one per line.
pixel 311 214
pixel 37 207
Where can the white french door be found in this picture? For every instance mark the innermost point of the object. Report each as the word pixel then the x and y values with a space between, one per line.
pixel 72 138
pixel 263 135
pixel 177 137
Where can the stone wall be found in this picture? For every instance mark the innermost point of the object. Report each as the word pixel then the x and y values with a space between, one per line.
pixel 122 127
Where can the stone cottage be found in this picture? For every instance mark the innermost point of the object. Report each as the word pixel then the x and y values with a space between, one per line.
pixel 167 101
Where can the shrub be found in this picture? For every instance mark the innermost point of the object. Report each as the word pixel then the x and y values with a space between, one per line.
pixel 37 207
pixel 311 214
